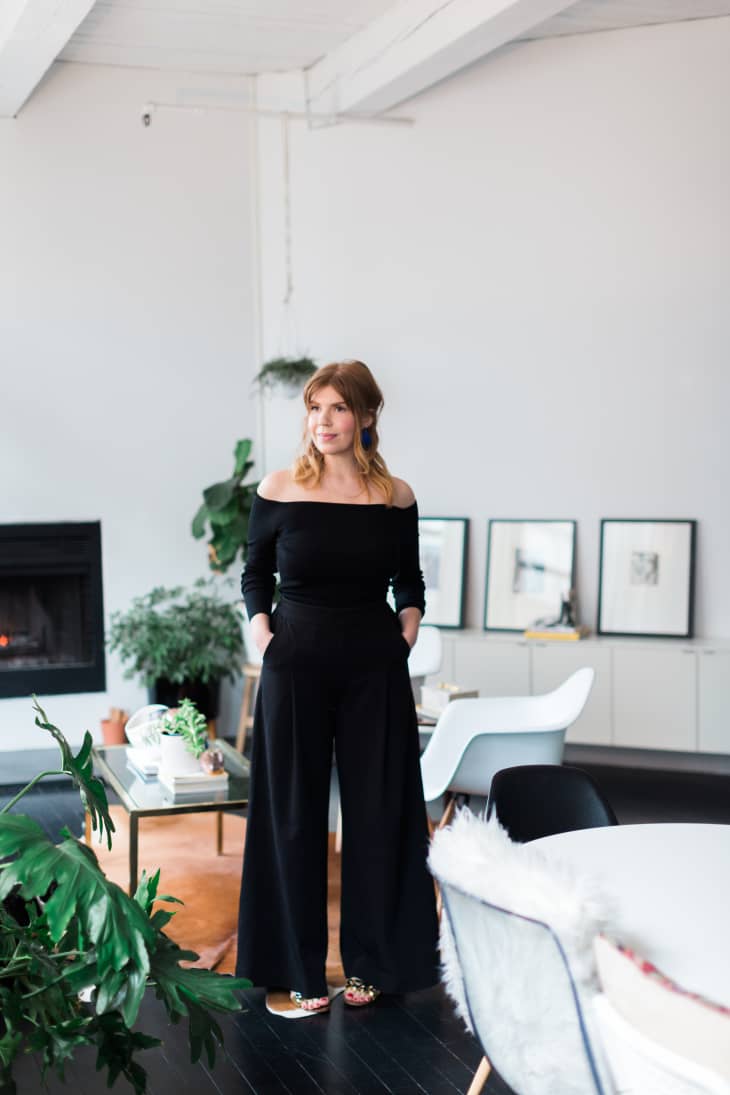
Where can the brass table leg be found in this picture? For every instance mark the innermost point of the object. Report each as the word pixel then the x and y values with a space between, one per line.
pixel 133 853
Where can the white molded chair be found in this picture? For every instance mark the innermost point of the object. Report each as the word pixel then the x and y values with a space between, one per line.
pixel 425 657
pixel 517 959
pixel 475 738
pixel 427 653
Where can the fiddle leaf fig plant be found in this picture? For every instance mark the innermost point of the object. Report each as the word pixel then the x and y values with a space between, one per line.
pixel 66 930
pixel 225 512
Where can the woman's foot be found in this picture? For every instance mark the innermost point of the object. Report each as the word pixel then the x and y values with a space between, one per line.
pixel 292 1005
pixel 312 1004
pixel 358 994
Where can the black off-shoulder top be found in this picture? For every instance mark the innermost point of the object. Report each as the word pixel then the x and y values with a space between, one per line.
pixel 333 554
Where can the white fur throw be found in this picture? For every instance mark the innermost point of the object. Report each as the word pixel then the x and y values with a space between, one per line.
pixel 526 1007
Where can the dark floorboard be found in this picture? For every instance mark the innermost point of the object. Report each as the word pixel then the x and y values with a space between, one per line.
pixel 639 795
pixel 402 1046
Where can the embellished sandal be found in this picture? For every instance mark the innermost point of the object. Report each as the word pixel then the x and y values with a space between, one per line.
pixel 292 1005
pixel 313 1005
pixel 358 994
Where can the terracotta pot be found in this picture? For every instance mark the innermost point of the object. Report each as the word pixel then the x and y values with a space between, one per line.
pixel 112 731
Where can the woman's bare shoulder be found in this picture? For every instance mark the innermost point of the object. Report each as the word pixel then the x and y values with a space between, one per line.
pixel 276 486
pixel 403 496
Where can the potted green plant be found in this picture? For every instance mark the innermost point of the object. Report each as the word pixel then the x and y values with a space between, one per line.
pixel 183 739
pixel 68 934
pixel 225 509
pixel 285 374
pixel 181 641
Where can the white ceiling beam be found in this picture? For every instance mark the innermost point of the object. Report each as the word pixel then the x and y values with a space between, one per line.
pixel 413 46
pixel 32 34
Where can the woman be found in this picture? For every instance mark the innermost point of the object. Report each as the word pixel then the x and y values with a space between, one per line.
pixel 338 528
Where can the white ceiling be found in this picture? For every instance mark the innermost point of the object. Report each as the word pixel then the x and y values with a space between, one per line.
pixel 362 57
pixel 225 36
pixel 594 15
pixel 253 36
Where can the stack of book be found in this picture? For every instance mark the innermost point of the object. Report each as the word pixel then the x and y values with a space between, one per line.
pixel 563 632
pixel 143 760
pixel 193 783
pixel 436 698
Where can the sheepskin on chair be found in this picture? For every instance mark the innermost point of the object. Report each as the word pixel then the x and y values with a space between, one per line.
pixel 525 1012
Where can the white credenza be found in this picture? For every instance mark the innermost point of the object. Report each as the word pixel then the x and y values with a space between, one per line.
pixel 650 694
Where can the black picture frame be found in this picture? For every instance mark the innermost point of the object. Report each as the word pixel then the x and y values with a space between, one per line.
pixel 521 586
pixel 444 551
pixel 646 577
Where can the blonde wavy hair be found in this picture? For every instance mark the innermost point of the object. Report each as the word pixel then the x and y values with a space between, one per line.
pixel 356 385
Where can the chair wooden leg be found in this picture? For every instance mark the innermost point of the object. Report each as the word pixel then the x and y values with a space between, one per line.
pixel 480 1077
pixel 338 831
pixel 448 813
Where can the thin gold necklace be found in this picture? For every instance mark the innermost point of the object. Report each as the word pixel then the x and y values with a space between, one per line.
pixel 350 497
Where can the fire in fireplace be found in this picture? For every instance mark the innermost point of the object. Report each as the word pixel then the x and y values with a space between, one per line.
pixel 51 609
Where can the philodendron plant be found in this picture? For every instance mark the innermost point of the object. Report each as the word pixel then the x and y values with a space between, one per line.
pixel 67 931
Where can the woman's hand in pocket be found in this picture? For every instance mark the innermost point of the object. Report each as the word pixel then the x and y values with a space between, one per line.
pixel 261 631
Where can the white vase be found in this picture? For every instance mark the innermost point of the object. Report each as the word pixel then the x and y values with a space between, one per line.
pixel 175 757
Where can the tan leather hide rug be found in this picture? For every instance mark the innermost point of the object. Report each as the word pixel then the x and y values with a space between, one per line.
pixel 183 847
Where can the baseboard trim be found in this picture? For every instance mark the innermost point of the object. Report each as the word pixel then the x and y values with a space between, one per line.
pixel 663 760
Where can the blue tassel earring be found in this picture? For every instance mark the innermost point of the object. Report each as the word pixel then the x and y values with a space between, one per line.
pixel 366 438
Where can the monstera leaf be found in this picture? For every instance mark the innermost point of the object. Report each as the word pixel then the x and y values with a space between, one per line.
pixel 81 770
pixel 65 928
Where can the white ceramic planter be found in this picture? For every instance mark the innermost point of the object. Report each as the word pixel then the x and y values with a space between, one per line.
pixel 175 759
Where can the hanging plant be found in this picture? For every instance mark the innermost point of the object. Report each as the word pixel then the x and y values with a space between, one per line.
pixel 286 374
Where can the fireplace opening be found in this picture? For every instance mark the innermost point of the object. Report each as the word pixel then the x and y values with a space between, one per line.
pixel 51 609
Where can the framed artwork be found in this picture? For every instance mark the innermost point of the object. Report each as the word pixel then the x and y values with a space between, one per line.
pixel 443 543
pixel 646 580
pixel 530 570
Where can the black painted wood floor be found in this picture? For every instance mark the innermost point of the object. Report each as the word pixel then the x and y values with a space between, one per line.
pixel 402 1045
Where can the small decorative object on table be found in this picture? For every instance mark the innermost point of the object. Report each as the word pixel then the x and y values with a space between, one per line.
pixel 564 628
pixel 184 744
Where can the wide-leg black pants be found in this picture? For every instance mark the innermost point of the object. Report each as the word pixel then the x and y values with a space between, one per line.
pixel 336 675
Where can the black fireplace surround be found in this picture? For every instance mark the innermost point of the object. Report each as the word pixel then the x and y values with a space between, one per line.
pixel 51 609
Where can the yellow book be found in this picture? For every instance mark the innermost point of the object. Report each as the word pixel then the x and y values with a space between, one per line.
pixel 562 634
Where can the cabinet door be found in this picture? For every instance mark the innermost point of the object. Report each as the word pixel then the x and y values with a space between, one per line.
pixel 654 698
pixel 495 668
pixel 714 701
pixel 553 663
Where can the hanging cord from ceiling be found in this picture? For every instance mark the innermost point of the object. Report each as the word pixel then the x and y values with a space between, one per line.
pixel 288 335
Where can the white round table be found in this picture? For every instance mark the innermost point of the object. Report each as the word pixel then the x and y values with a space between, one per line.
pixel 670 887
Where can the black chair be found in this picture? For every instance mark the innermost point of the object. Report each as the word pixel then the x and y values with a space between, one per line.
pixel 534 800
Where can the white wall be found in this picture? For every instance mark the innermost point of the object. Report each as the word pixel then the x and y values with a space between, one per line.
pixel 537 271
pixel 126 332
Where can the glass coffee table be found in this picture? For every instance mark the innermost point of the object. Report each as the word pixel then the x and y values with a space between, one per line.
pixel 146 797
